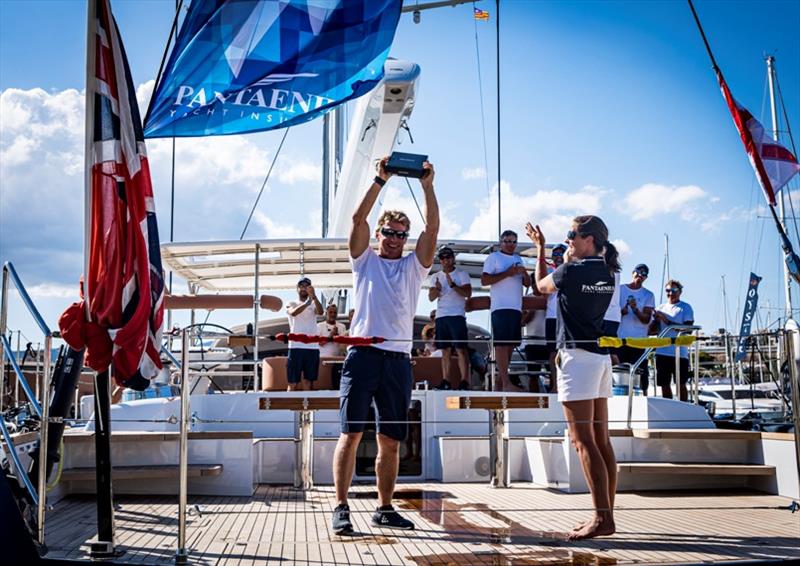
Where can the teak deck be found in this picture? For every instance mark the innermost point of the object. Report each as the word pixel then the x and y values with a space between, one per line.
pixel 457 524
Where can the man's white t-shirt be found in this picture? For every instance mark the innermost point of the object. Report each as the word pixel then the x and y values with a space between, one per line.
pixel 450 302
pixel 630 326
pixel 386 292
pixel 505 294
pixel 613 312
pixel 536 327
pixel 679 313
pixel 303 323
pixel 331 349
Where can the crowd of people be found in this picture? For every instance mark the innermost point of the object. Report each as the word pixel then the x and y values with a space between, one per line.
pixel 571 301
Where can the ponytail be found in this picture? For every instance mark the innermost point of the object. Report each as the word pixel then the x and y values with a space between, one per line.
pixel 594 226
pixel 611 255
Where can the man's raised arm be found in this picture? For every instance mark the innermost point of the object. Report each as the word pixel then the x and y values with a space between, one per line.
pixel 359 231
pixel 426 244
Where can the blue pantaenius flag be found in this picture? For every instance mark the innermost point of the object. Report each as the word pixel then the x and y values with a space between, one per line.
pixel 750 306
pixel 243 66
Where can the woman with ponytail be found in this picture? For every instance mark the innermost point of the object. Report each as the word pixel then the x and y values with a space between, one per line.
pixel 585 286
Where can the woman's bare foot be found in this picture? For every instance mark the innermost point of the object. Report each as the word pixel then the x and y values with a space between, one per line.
pixel 597 527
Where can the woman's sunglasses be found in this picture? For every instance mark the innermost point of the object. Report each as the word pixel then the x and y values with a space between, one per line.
pixel 572 234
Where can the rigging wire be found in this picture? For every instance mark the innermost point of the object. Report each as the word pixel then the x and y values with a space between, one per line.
pixel 410 190
pixel 172 31
pixel 794 150
pixel 264 184
pixel 483 115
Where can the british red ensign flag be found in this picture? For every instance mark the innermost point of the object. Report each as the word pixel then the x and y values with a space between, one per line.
pixel 774 164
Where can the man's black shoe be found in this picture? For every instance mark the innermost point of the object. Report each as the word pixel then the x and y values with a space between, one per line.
pixel 387 517
pixel 340 524
pixel 463 386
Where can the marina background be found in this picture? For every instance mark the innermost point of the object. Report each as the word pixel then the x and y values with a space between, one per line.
pixel 608 108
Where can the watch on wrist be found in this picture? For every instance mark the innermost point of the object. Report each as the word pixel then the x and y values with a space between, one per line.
pixel 378 181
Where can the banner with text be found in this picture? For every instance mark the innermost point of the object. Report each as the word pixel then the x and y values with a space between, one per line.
pixel 750 306
pixel 249 65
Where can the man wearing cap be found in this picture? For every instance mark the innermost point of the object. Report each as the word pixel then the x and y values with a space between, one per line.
pixel 451 288
pixel 302 367
pixel 636 306
pixel 674 312
pixel 386 289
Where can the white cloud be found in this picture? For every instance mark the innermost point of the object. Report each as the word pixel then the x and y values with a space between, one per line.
pixel 553 210
pixel 469 173
pixel 652 199
pixel 291 172
pixel 55 291
pixel 622 247
pixel 278 230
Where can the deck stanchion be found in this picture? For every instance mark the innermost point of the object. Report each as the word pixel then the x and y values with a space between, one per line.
pixel 303 478
pixel 791 359
pixel 696 380
pixel 181 556
pixel 43 433
pixel 498 453
pixel 630 393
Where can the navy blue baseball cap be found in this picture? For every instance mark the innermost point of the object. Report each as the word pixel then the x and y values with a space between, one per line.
pixel 642 269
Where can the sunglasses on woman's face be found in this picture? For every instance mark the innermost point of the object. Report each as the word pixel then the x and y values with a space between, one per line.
pixel 572 234
pixel 388 233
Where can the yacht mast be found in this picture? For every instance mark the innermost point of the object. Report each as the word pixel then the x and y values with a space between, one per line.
pixel 781 202
pixel 332 142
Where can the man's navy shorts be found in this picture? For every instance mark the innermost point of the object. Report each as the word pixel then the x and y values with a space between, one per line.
pixel 370 374
pixel 665 370
pixel 506 326
pixel 451 332
pixel 302 361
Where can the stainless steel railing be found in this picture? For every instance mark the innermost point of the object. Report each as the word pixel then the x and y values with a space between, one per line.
pixel 643 358
pixel 10 276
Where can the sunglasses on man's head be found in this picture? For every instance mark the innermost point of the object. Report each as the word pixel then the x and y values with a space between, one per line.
pixel 446 256
pixel 509 241
pixel 641 273
pixel 672 290
pixel 557 254
pixel 388 233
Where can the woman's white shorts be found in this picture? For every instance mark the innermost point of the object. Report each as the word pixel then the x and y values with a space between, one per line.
pixel 583 375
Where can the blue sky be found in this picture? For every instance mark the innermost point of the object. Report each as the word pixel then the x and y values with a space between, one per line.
pixel 608 108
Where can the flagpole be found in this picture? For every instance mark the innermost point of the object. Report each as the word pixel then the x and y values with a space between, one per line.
pixel 499 210
pixel 91 38
pixel 787 288
pixel 103 547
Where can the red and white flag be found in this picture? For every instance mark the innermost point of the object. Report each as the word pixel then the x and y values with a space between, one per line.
pixel 774 164
pixel 124 284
